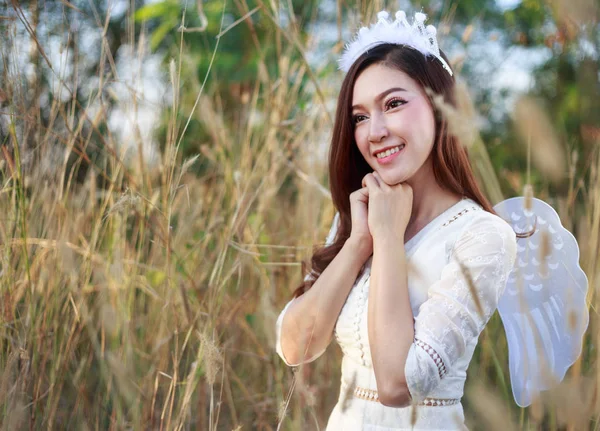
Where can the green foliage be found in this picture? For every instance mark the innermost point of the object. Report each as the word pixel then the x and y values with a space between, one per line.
pixel 119 308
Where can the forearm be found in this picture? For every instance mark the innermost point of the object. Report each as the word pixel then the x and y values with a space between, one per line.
pixel 308 324
pixel 390 319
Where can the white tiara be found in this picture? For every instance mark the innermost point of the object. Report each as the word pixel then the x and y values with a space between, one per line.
pixel 400 32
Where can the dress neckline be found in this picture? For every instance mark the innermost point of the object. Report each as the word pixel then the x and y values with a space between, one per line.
pixel 442 219
pixel 434 223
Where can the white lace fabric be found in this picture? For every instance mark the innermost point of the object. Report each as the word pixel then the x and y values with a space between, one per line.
pixel 448 320
pixel 451 319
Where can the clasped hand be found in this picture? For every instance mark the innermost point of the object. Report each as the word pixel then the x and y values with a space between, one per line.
pixel 380 210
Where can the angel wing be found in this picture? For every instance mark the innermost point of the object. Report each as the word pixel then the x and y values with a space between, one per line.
pixel 543 308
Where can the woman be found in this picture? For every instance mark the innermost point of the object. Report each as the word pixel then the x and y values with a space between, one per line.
pixel 416 259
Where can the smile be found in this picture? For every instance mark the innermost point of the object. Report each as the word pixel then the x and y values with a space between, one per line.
pixel 389 155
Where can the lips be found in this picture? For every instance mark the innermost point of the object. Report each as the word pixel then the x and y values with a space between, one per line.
pixel 386 152
pixel 388 156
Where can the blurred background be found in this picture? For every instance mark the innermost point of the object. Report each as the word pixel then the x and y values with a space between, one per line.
pixel 163 169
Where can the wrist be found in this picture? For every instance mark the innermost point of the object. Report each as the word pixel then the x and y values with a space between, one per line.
pixel 363 247
pixel 386 240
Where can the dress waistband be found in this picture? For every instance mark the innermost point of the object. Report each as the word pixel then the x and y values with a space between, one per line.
pixel 371 395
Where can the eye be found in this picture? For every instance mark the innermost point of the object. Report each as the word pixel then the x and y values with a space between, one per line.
pixel 394 103
pixel 358 118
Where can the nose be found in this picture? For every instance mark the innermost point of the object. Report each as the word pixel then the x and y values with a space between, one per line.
pixel 378 130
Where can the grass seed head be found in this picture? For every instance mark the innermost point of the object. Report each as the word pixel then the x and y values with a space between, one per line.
pixel 573 320
pixel 413 414
pixel 462 119
pixel 472 288
pixel 535 128
pixel 528 195
pixel 536 411
pixel 212 359
pixel 544 252
pixel 348 393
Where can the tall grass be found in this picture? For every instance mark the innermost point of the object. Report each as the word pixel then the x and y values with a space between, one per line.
pixel 138 298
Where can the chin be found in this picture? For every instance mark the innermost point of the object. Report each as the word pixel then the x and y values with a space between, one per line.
pixel 392 180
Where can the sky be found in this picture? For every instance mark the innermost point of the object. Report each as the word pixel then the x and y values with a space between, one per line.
pixel 508 4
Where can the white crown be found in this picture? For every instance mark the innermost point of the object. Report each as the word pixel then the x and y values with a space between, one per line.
pixel 399 32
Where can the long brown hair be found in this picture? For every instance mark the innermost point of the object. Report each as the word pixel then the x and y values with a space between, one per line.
pixel 347 166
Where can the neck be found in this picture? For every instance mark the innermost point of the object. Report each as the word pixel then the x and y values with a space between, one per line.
pixel 429 198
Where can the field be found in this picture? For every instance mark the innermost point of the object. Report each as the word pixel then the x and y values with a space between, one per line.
pixel 138 294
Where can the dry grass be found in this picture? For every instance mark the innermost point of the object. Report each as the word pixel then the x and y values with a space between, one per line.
pixel 142 298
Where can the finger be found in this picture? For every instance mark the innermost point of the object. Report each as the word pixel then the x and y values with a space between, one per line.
pixel 364 191
pixel 380 181
pixel 359 192
pixel 364 184
pixel 371 182
pixel 377 178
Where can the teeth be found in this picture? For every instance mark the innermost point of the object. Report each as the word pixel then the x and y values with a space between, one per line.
pixel 389 152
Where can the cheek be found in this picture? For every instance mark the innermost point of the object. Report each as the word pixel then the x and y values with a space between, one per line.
pixel 424 118
pixel 361 141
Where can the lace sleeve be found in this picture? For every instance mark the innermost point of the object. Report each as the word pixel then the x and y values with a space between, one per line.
pixel 310 275
pixel 452 316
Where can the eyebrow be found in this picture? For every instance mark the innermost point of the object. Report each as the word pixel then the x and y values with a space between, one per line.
pixel 382 95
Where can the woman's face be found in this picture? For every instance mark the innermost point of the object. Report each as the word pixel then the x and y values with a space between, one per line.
pixel 393 116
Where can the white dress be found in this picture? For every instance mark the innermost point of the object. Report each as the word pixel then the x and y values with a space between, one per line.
pixel 447 322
